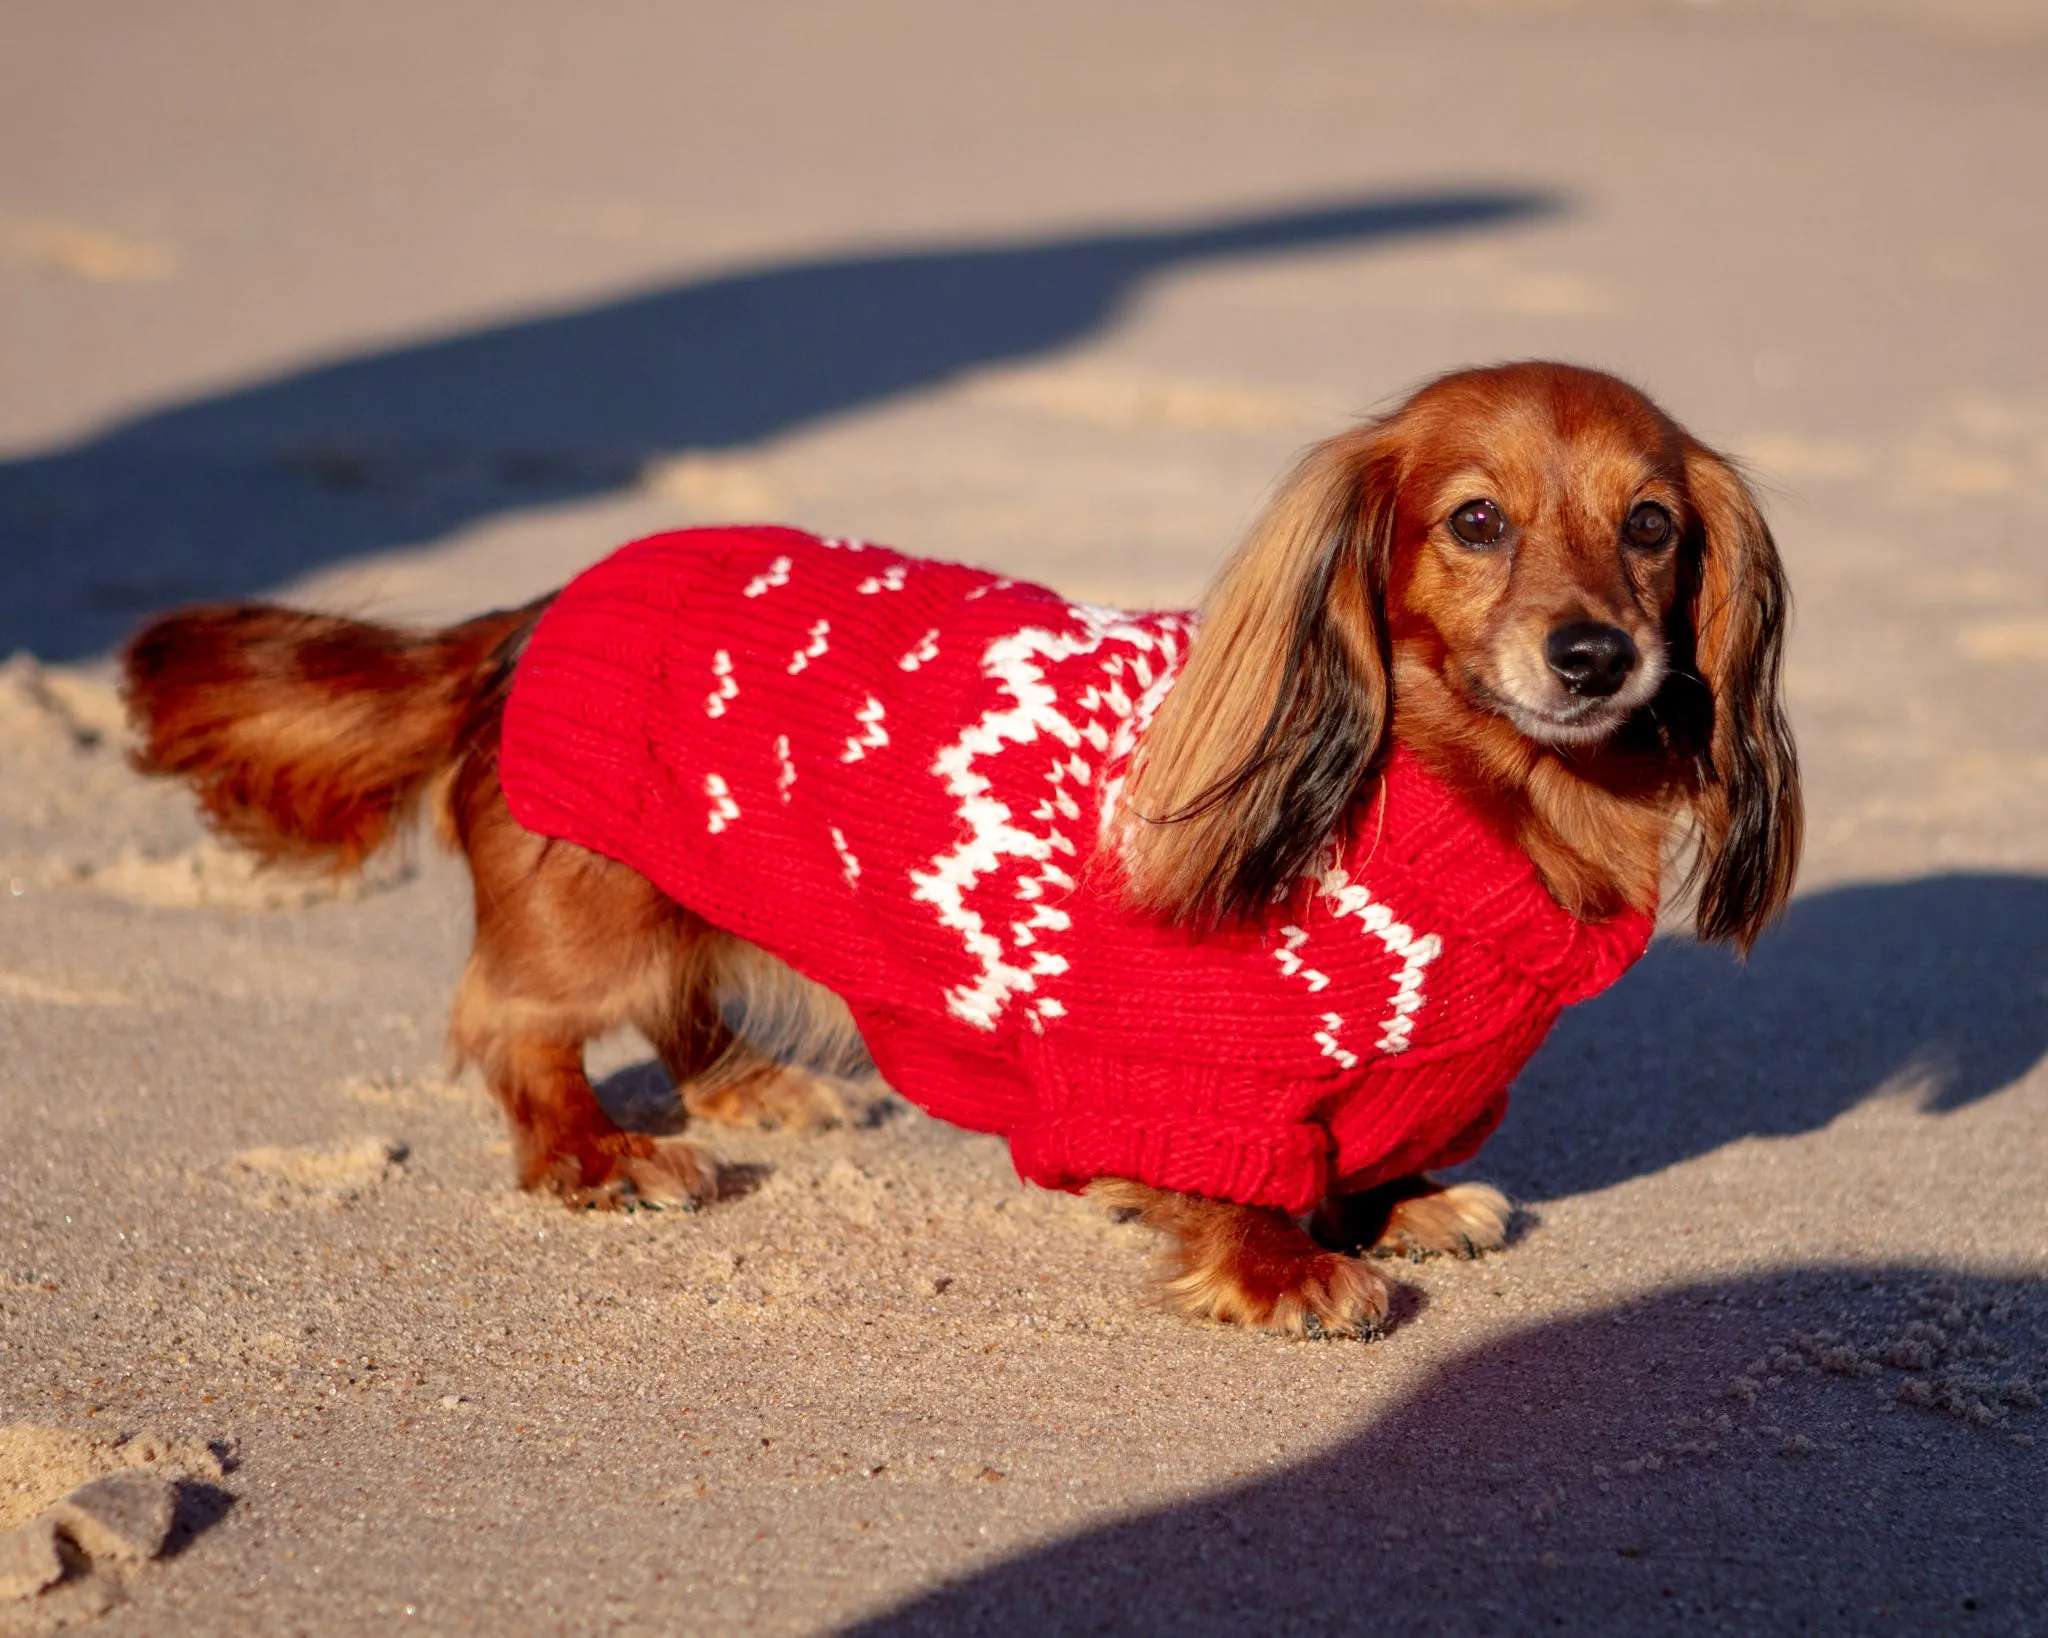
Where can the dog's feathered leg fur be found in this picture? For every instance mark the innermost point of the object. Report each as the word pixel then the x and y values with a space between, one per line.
pixel 568 946
pixel 727 1077
pixel 1249 1265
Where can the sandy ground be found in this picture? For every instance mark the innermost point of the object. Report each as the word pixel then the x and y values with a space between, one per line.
pixel 418 307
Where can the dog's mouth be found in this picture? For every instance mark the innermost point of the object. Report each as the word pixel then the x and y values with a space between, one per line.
pixel 1553 716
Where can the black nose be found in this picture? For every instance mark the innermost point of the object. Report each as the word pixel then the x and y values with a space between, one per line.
pixel 1590 659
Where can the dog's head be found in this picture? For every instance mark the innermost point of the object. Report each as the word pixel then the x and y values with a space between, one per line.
pixel 1533 549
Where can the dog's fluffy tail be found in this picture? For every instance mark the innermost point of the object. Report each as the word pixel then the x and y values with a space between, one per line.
pixel 309 738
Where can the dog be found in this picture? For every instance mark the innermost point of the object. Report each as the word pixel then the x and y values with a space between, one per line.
pixel 1242 922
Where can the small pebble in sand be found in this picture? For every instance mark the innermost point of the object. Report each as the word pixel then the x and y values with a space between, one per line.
pixel 40 1466
pixel 1800 1445
pixel 125 1517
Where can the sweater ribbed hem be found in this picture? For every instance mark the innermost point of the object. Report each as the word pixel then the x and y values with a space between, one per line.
pixel 1198 1128
pixel 1262 1165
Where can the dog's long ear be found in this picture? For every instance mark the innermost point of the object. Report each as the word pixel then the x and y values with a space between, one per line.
pixel 1262 744
pixel 1748 809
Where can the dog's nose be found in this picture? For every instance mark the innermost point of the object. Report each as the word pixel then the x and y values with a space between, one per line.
pixel 1589 658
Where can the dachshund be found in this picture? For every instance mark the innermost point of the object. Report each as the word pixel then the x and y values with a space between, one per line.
pixel 1526 580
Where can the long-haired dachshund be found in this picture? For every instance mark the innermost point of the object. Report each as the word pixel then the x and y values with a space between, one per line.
pixel 1244 921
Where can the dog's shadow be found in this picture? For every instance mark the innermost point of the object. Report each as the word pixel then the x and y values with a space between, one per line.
pixel 1762 1452
pixel 1936 989
pixel 642 1098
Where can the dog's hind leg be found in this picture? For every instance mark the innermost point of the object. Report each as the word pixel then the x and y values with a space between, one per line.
pixel 764 1079
pixel 568 945
pixel 751 1089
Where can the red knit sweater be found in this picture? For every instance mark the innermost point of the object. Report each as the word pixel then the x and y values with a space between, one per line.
pixel 892 774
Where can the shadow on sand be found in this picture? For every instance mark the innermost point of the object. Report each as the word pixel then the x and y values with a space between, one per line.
pixel 1735 1453
pixel 228 495
pixel 1937 988
pixel 1823 1451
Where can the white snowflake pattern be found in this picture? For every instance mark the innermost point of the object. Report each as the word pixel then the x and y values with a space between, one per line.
pixel 1291 963
pixel 786 776
pixel 776 574
pixel 1416 952
pixel 727 689
pixel 849 866
pixel 723 808
pixel 994 839
pixel 890 579
pixel 813 649
pixel 927 649
pixel 869 716
pixel 1326 1038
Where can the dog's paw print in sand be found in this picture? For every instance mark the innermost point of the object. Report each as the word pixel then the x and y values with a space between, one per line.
pixel 275 1179
pixel 81 1512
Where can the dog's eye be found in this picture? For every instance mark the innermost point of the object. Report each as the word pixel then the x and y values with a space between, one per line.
pixel 1648 527
pixel 1479 523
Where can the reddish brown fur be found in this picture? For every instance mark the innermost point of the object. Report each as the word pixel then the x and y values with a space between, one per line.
pixel 1248 1265
pixel 1351 616
pixel 1417 1217
pixel 1353 589
pixel 308 738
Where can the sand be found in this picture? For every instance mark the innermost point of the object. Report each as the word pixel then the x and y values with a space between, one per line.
pixel 417 309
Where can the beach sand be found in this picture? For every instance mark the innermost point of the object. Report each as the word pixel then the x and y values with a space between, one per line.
pixel 414 310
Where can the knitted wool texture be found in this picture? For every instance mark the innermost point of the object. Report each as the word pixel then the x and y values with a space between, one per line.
pixel 895 775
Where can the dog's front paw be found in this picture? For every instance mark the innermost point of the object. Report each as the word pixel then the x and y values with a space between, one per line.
pixel 630 1169
pixel 1462 1220
pixel 1315 1295
pixel 1252 1265
pixel 1417 1217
